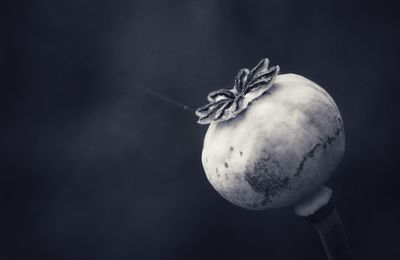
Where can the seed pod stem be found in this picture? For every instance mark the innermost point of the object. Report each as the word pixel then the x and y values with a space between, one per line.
pixel 319 210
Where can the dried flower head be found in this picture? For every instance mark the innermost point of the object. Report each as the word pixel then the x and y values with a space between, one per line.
pixel 226 104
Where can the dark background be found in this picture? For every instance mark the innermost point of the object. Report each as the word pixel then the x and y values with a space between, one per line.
pixel 93 168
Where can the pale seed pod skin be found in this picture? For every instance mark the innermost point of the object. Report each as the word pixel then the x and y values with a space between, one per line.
pixel 284 146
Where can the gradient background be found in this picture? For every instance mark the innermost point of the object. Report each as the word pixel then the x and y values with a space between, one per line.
pixel 91 168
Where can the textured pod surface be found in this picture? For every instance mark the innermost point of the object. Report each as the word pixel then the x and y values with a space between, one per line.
pixel 283 147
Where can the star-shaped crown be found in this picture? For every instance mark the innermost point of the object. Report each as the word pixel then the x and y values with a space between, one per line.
pixel 226 104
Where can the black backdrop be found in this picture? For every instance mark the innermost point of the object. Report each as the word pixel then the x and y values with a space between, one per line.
pixel 92 168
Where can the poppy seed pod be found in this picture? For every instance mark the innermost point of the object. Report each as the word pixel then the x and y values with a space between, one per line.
pixel 272 140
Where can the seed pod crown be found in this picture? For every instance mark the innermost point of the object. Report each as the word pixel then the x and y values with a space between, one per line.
pixel 225 104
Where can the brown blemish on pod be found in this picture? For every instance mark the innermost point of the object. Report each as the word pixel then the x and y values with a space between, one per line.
pixel 310 154
pixel 263 178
